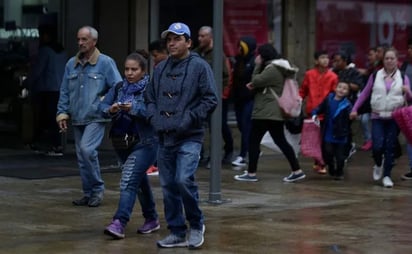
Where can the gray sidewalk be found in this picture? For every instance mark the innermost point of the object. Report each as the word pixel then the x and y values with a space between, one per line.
pixel 317 215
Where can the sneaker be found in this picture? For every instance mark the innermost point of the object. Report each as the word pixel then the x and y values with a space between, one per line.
pixel 84 201
pixel 352 151
pixel 95 200
pixel 172 241
pixel 367 146
pixel 115 229
pixel 148 227
pixel 196 237
pixel 293 177
pixel 387 182
pixel 320 169
pixel 246 177
pixel 227 158
pixel 54 153
pixel 407 176
pixel 152 171
pixel 239 162
pixel 377 172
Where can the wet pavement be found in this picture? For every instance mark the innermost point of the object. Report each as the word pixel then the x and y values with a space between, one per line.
pixel 317 215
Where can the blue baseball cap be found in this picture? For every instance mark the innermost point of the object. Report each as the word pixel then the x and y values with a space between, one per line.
pixel 177 28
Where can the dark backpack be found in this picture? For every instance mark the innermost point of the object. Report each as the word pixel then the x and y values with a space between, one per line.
pixel 366 106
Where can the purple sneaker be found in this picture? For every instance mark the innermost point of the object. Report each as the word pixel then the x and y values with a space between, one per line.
pixel 115 229
pixel 149 226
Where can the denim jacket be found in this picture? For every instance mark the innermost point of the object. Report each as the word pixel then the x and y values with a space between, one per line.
pixel 84 87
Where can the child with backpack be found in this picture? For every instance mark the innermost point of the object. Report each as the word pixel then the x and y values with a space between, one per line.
pixel 336 128
pixel 135 143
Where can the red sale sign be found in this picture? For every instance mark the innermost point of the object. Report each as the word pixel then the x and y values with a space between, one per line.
pixel 355 26
pixel 243 18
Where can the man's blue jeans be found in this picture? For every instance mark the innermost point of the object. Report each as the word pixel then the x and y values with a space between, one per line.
pixel 134 181
pixel 384 135
pixel 87 139
pixel 177 166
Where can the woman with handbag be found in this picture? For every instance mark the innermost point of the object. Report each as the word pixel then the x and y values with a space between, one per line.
pixel 136 145
pixel 388 92
pixel 267 115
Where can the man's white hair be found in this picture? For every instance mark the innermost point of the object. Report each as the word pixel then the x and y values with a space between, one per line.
pixel 93 32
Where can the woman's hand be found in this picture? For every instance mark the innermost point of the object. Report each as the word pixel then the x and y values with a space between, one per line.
pixel 114 108
pixel 353 115
pixel 125 106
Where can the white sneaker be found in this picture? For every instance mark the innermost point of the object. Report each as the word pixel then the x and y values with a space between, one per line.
pixel 377 172
pixel 239 162
pixel 387 182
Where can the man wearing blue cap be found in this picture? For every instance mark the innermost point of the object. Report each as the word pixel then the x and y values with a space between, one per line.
pixel 180 98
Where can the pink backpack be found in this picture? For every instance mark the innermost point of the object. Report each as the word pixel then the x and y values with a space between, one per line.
pixel 290 101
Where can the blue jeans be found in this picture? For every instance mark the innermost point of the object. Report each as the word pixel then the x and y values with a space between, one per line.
pixel 365 126
pixel 244 123
pixel 384 136
pixel 87 139
pixel 177 167
pixel 134 181
pixel 409 150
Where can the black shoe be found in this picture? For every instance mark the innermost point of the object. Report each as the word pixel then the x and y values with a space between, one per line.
pixel 84 201
pixel 227 158
pixel 407 176
pixel 95 201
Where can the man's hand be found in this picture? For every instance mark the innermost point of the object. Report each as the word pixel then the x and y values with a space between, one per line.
pixel 63 125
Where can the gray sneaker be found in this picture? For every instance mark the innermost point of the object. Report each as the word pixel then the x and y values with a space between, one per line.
pixel 172 241
pixel 196 237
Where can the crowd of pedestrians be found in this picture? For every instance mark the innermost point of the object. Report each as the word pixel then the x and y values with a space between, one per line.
pixel 158 121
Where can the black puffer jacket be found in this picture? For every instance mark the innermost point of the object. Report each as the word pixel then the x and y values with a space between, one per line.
pixel 243 69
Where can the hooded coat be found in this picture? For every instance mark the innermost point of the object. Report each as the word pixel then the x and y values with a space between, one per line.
pixel 243 69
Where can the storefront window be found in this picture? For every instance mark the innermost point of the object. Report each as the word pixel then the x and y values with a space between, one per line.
pixel 354 26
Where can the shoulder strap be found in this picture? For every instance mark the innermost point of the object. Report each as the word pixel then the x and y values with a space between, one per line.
pixel 116 90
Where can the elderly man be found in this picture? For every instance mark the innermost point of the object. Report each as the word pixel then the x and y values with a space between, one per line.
pixel 87 78
pixel 179 100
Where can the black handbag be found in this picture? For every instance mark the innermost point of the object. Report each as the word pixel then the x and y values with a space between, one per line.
pixel 294 124
pixel 124 142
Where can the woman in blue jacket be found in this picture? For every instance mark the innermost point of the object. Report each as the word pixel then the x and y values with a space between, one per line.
pixel 136 145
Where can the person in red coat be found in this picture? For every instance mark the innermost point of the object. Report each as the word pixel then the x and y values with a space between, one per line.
pixel 317 84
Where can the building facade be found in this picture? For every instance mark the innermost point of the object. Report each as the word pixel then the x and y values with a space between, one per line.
pixel 296 28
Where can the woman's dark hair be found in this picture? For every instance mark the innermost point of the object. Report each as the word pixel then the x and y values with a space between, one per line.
pixel 141 60
pixel 268 52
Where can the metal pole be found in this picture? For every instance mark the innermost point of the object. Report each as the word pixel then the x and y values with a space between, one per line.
pixel 216 121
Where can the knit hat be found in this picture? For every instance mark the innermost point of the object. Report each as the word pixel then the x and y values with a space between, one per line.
pixel 248 45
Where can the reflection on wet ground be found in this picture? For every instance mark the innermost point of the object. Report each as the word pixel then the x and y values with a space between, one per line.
pixel 317 215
